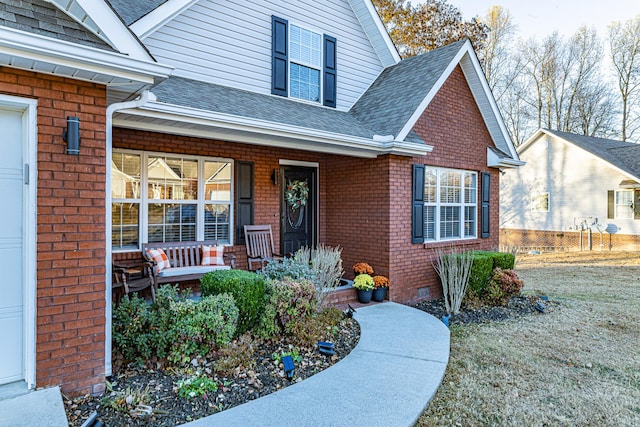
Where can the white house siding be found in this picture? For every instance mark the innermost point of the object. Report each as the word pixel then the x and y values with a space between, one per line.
pixel 577 183
pixel 228 42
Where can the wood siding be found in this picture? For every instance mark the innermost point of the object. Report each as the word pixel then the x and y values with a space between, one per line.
pixel 229 43
pixel 577 183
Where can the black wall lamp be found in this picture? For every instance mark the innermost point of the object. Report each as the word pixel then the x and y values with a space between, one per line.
pixel 72 135
pixel 274 177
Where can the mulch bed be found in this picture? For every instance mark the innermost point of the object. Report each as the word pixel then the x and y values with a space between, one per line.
pixel 517 306
pixel 169 409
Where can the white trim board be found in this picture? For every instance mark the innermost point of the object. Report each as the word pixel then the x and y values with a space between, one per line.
pixel 30 148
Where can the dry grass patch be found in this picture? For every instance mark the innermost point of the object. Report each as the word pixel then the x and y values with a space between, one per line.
pixel 579 364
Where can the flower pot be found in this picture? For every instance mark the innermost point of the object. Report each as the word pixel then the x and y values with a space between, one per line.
pixel 364 296
pixel 379 294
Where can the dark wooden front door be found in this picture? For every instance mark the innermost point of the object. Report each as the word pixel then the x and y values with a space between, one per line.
pixel 298 222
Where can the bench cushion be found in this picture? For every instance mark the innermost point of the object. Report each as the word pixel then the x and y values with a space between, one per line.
pixel 197 269
pixel 212 255
pixel 161 259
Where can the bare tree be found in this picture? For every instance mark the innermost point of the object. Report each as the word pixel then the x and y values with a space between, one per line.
pixel 495 55
pixel 624 41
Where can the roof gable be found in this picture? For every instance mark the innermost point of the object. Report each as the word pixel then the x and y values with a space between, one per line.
pixel 620 155
pixel 395 101
pixel 131 11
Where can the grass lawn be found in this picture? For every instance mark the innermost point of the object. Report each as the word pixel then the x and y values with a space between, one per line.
pixel 577 365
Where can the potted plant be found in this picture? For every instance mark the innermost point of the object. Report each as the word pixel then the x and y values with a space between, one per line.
pixel 380 286
pixel 362 268
pixel 363 283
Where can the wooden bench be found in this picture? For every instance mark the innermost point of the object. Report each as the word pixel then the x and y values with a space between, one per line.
pixel 185 259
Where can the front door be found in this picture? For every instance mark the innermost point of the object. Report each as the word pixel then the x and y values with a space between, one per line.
pixel 298 218
pixel 11 246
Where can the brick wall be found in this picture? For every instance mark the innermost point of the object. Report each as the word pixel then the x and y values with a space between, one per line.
pixel 70 325
pixel 565 241
pixel 452 124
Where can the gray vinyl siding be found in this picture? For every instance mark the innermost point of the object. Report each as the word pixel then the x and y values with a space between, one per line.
pixel 577 183
pixel 229 43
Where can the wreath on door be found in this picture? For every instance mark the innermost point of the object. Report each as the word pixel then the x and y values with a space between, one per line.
pixel 296 194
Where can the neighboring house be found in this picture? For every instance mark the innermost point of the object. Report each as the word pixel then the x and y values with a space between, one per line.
pixel 195 118
pixel 574 193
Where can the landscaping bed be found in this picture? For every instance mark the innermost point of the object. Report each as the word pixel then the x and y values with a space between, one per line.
pixel 157 387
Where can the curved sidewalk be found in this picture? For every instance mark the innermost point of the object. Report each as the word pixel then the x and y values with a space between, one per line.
pixel 387 380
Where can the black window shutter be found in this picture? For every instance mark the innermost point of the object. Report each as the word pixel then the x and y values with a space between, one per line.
pixel 417 208
pixel 330 71
pixel 636 204
pixel 486 198
pixel 279 69
pixel 611 204
pixel 244 185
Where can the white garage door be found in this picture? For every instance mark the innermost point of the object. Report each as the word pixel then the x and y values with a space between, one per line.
pixel 11 246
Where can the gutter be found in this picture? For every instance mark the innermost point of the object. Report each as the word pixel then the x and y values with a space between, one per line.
pixel 111 109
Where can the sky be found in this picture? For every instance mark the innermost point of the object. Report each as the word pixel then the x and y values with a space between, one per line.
pixel 540 18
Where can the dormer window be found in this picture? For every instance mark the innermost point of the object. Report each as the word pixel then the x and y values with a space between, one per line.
pixel 303 63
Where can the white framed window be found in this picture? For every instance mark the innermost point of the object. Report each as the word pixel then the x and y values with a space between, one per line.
pixel 162 197
pixel 540 202
pixel 624 204
pixel 451 204
pixel 305 63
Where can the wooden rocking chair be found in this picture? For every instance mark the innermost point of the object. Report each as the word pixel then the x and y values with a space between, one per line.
pixel 260 250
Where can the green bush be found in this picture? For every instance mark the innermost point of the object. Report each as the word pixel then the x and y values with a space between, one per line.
pixel 289 302
pixel 202 326
pixel 131 334
pixel 502 285
pixel 173 327
pixel 480 273
pixel 247 289
pixel 503 260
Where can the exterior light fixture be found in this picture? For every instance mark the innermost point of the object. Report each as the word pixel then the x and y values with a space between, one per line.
pixel 274 177
pixel 71 135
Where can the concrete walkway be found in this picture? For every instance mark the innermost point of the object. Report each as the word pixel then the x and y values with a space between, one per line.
pixel 387 380
pixel 37 408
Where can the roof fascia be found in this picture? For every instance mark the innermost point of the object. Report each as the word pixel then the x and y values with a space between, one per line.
pixel 158 17
pixel 63 53
pixel 531 140
pixel 365 147
pixel 109 25
pixel 365 11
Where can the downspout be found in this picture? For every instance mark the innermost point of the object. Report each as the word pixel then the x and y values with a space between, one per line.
pixel 142 99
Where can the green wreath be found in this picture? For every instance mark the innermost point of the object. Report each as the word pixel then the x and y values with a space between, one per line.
pixel 296 194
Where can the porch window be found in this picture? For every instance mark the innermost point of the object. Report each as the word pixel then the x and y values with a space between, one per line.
pixel 450 204
pixel 624 204
pixel 183 198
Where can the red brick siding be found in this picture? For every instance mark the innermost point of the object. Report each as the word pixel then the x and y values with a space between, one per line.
pixel 547 241
pixel 70 325
pixel 453 125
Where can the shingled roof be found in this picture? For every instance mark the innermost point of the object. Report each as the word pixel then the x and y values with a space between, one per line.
pixel 623 155
pixel 131 11
pixel 398 91
pixel 42 18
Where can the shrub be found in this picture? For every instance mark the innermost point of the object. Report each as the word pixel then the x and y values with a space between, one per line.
pixel 196 386
pixel 239 353
pixel 480 272
pixel 321 326
pixel 503 260
pixel 202 326
pixel 289 302
pixel 454 270
pixel 294 268
pixel 247 289
pixel 131 333
pixel 503 285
